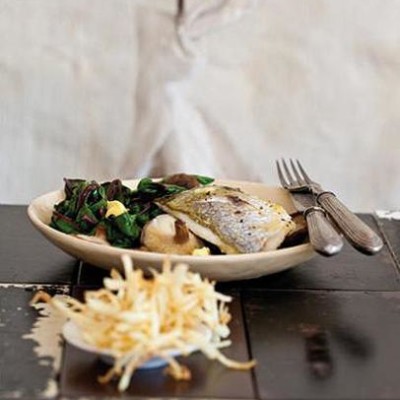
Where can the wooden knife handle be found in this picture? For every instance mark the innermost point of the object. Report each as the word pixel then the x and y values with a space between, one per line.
pixel 323 236
pixel 359 234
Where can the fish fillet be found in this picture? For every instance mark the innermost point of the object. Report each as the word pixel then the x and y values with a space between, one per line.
pixel 234 221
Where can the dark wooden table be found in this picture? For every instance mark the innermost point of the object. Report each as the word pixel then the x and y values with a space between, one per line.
pixel 327 329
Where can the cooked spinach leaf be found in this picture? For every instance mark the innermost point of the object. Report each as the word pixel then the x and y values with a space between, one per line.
pixel 204 180
pixel 123 231
pixel 115 190
pixel 85 205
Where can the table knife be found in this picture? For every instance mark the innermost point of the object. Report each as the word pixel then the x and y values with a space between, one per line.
pixel 323 236
pixel 357 232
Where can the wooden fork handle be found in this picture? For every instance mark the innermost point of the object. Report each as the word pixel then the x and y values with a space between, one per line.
pixel 323 236
pixel 359 234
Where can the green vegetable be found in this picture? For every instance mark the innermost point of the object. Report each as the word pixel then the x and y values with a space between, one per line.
pixel 86 219
pixel 115 190
pixel 204 180
pixel 63 223
pixel 123 231
pixel 148 214
pixel 85 207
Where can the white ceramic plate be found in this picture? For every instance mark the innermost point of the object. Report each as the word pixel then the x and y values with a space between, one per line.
pixel 72 335
pixel 216 267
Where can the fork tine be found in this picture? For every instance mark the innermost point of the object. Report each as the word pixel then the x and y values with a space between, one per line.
pixel 305 176
pixel 284 183
pixel 300 179
pixel 288 173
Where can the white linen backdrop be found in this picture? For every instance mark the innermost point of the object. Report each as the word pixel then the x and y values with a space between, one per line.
pixel 103 89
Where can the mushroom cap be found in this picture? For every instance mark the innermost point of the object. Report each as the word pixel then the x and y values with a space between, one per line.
pixel 166 234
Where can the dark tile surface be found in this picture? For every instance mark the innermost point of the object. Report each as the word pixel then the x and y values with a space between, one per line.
pixel 325 345
pixel 22 373
pixel 26 256
pixel 349 270
pixel 391 232
pixel 91 275
pixel 209 379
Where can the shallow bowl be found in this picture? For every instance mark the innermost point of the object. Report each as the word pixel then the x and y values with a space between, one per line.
pixel 216 267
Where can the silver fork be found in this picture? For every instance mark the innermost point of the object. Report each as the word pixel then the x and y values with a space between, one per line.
pixel 359 234
pixel 323 236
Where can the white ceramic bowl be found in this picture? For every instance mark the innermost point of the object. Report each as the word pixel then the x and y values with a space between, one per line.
pixel 216 267
pixel 72 335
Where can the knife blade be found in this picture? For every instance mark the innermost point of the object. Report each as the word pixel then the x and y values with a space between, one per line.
pixel 323 236
pixel 358 233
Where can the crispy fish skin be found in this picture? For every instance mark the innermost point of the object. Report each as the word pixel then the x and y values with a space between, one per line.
pixel 234 221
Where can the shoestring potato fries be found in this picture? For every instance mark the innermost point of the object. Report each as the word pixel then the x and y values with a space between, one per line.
pixel 135 319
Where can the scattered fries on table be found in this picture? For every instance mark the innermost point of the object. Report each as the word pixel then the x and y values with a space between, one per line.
pixel 136 319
